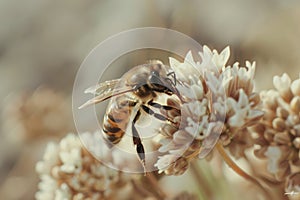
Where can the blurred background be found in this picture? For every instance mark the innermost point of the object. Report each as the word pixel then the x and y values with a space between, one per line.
pixel 42 44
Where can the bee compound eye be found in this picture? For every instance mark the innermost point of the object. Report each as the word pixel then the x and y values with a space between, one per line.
pixel 155 73
pixel 158 66
pixel 154 77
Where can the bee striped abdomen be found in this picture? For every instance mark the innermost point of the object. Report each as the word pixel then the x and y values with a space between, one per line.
pixel 116 119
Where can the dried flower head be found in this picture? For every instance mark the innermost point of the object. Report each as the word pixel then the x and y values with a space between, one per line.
pixel 29 116
pixel 68 171
pixel 218 100
pixel 278 133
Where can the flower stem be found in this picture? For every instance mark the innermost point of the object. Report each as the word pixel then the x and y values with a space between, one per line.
pixel 201 180
pixel 238 170
pixel 141 190
pixel 153 181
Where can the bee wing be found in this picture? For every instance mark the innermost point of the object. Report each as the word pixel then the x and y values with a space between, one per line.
pixel 102 87
pixel 104 91
pixel 209 143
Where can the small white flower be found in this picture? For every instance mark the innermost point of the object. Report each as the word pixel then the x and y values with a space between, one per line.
pixel 166 145
pixel 221 59
pixel 69 142
pixel 51 152
pixel 217 84
pixel 165 161
pixel 195 109
pixel 47 188
pixel 182 138
pixel 95 144
pixel 295 87
pixel 206 63
pixel 63 192
pixel 50 158
pixel 238 109
pixel 282 84
pixel 250 70
pixel 71 160
pixel 183 70
pixel 198 129
pixel 273 154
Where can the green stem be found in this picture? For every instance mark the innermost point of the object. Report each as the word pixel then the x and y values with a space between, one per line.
pixel 238 170
pixel 202 183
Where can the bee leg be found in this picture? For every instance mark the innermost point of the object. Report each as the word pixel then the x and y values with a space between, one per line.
pixel 156 115
pixel 138 142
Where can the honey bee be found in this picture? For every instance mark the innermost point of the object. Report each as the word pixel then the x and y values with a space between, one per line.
pixel 136 90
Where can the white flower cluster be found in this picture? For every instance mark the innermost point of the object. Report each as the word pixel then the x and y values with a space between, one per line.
pixel 218 99
pixel 68 171
pixel 277 135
